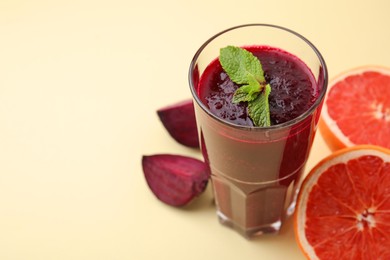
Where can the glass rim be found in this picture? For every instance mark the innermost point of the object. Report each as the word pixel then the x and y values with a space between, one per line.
pixel 289 123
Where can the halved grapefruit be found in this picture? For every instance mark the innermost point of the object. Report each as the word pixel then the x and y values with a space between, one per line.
pixel 357 108
pixel 343 207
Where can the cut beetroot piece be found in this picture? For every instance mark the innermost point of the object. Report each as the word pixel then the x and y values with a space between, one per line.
pixel 179 120
pixel 175 179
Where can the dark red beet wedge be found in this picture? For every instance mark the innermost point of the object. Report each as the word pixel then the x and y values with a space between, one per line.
pixel 175 179
pixel 179 120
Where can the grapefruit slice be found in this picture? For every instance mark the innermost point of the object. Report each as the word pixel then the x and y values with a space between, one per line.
pixel 357 108
pixel 343 207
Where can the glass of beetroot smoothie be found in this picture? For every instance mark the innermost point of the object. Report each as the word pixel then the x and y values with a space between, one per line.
pixel 256 171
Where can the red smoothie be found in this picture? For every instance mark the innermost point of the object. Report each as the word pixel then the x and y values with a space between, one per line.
pixel 256 172
pixel 293 88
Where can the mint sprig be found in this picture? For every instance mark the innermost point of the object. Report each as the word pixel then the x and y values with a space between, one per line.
pixel 245 69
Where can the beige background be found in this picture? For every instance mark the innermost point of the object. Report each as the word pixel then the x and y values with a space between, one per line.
pixel 80 82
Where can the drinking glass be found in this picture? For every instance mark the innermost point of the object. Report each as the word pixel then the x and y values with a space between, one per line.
pixel 256 171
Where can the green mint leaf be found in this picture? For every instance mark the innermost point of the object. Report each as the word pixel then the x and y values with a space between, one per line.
pixel 241 65
pixel 245 69
pixel 246 93
pixel 258 109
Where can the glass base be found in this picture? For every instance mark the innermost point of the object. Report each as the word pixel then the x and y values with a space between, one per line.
pixel 257 213
pixel 254 209
pixel 250 233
